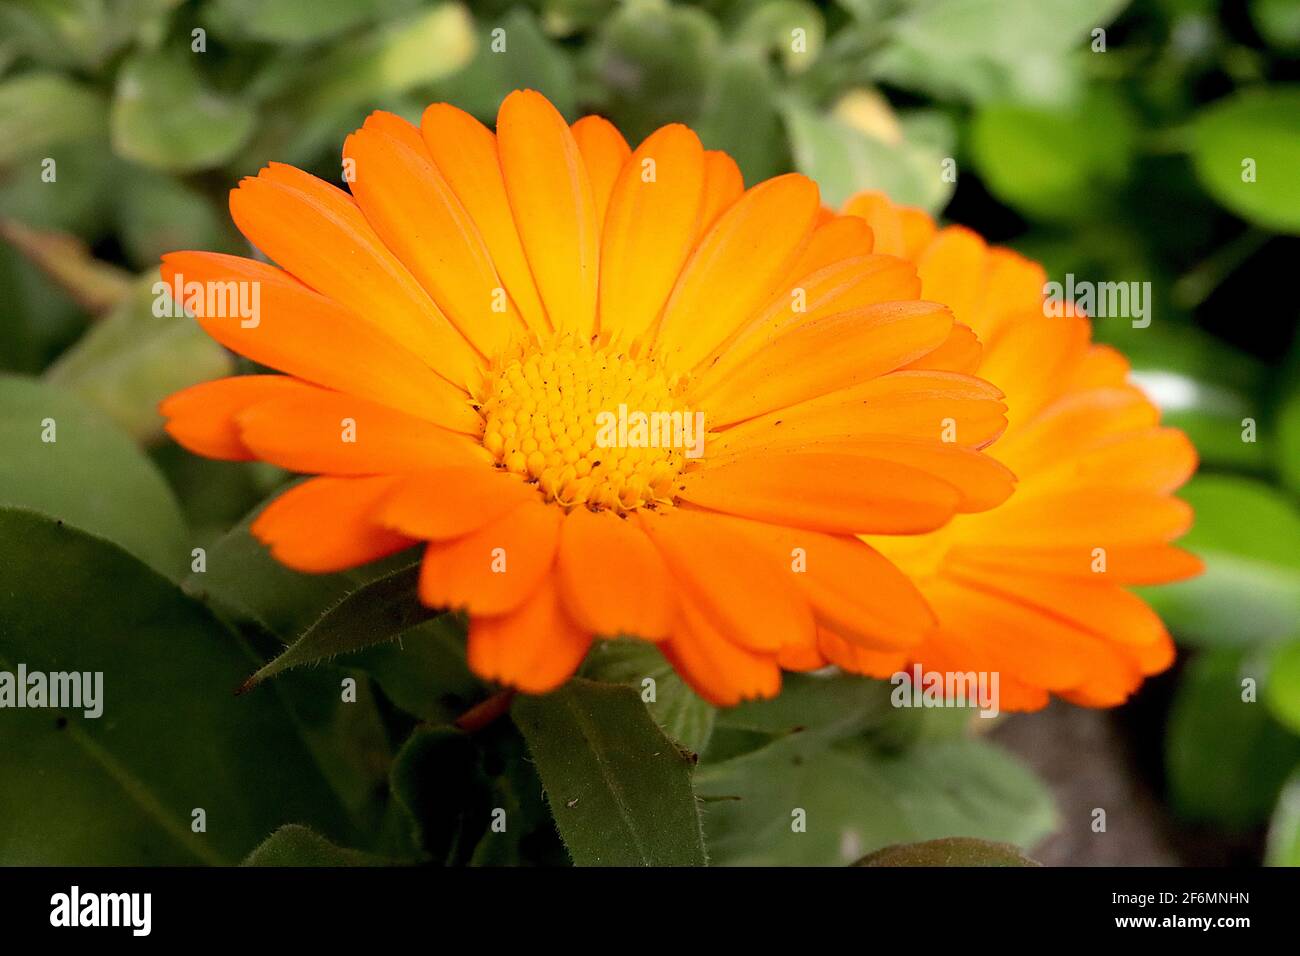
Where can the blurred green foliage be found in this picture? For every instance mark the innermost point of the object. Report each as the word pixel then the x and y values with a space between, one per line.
pixel 1154 141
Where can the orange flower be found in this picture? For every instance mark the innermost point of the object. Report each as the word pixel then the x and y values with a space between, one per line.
pixel 1034 589
pixel 470 341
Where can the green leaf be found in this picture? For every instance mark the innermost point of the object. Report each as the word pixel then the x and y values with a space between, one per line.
pixel 90 476
pixel 132 359
pixel 438 780
pixel 620 791
pixel 953 851
pixel 841 704
pixel 245 583
pixel 1249 594
pixel 650 65
pixel 295 845
pixel 79 199
pixel 1051 163
pixel 39 111
pixel 157 213
pixel 530 60
pixel 1225 756
pixel 771 27
pixel 738 115
pixel 981 50
pixel 121 789
pixel 1282 691
pixel 36 317
pixel 1284 831
pixel 424 671
pixel 372 614
pixel 1258 125
pixel 1287 452
pixel 163 116
pixel 1278 22
pixel 290 21
pixel 682 714
pixel 393 58
pixel 851 800
pixel 844 160
pixel 84 34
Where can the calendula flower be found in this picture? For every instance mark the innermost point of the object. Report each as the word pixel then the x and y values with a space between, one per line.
pixel 612 392
pixel 1035 588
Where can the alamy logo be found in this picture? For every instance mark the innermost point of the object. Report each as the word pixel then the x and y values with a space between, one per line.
pixel 638 429
pixel 73 690
pixel 1100 300
pixel 922 688
pixel 134 910
pixel 227 300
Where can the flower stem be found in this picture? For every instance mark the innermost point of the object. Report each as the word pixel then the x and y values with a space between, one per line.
pixel 485 711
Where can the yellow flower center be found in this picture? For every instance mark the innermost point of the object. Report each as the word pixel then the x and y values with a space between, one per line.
pixel 589 424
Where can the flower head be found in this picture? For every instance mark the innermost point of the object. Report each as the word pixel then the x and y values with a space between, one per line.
pixel 611 392
pixel 1035 588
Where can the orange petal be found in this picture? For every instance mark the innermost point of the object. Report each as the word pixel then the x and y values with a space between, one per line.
pixel 856 659
pixel 836 493
pixel 650 229
pixel 604 150
pixel 394 127
pixel 720 671
pixel 446 503
pixel 1101 367
pixel 554 208
pixel 317 233
pixel 829 353
pixel 897 230
pixel 850 586
pixel 744 595
pixel 723 185
pixel 737 267
pixel 952 270
pixel 840 287
pixel 1095 517
pixel 1031 359
pixel 1131 564
pixel 493 570
pixel 326 524
pixel 465 152
pixel 960 352
pixel 535 648
pixel 307 335
pixel 1153 459
pixel 314 430
pixel 840 238
pixel 1097 606
pixel 903 404
pixel 421 220
pixel 611 578
pixel 1073 424
pixel 202 417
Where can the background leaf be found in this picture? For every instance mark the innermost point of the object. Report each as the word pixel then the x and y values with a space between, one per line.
pixel 1257 124
pixel 619 789
pixel 683 715
pixel 132 359
pixel 953 851
pixel 120 789
pixel 1250 591
pixel 295 845
pixel 1226 757
pixel 856 800
pixel 92 477
pixel 164 117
